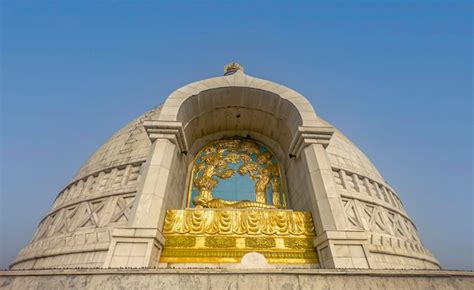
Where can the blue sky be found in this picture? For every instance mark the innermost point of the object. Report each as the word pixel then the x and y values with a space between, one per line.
pixel 395 77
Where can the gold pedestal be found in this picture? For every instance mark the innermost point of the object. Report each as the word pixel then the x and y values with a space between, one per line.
pixel 226 235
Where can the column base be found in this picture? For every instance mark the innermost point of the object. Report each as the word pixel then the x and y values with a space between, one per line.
pixel 134 247
pixel 343 249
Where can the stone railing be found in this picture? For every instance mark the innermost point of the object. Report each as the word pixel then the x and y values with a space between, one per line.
pixel 112 178
pixel 375 191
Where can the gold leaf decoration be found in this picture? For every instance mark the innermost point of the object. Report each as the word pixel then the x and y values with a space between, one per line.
pixel 260 243
pixel 180 241
pixel 296 243
pixel 220 242
pixel 212 165
pixel 225 236
pixel 250 222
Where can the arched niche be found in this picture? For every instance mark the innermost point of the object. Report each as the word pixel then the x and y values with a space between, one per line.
pixel 253 113
pixel 239 90
pixel 239 109
pixel 197 113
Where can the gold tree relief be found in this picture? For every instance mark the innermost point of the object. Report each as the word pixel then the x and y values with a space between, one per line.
pixel 212 164
pixel 252 159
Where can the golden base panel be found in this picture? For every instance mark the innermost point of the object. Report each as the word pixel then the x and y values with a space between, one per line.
pixel 226 235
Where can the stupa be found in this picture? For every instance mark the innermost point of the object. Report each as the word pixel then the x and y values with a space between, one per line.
pixel 232 172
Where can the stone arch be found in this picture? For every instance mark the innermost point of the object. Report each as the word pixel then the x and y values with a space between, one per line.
pixel 244 105
pixel 239 102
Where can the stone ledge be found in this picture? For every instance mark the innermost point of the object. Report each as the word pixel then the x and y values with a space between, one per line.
pixel 291 271
pixel 353 235
pixel 245 279
pixel 103 247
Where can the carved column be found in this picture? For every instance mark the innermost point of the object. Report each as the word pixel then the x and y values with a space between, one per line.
pixel 162 187
pixel 338 246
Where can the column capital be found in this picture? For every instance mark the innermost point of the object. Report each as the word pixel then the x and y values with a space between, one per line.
pixel 170 130
pixel 306 135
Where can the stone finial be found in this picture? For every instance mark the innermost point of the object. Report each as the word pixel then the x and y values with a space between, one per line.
pixel 232 68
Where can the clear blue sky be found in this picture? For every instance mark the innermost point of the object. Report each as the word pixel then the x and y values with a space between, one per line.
pixel 396 78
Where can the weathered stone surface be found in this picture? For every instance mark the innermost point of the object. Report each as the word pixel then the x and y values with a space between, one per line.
pixel 237 279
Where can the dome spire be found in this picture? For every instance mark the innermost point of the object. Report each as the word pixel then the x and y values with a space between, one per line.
pixel 232 68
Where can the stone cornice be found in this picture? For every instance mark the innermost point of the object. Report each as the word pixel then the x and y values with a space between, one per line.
pixel 310 135
pixel 177 271
pixel 169 130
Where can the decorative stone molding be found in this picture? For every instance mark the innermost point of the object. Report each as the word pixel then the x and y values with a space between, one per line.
pixel 310 135
pixel 78 228
pixel 172 131
pixel 397 253
pixel 378 219
pixel 375 208
pixel 118 178
pixel 91 213
pixel 81 248
pixel 350 183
